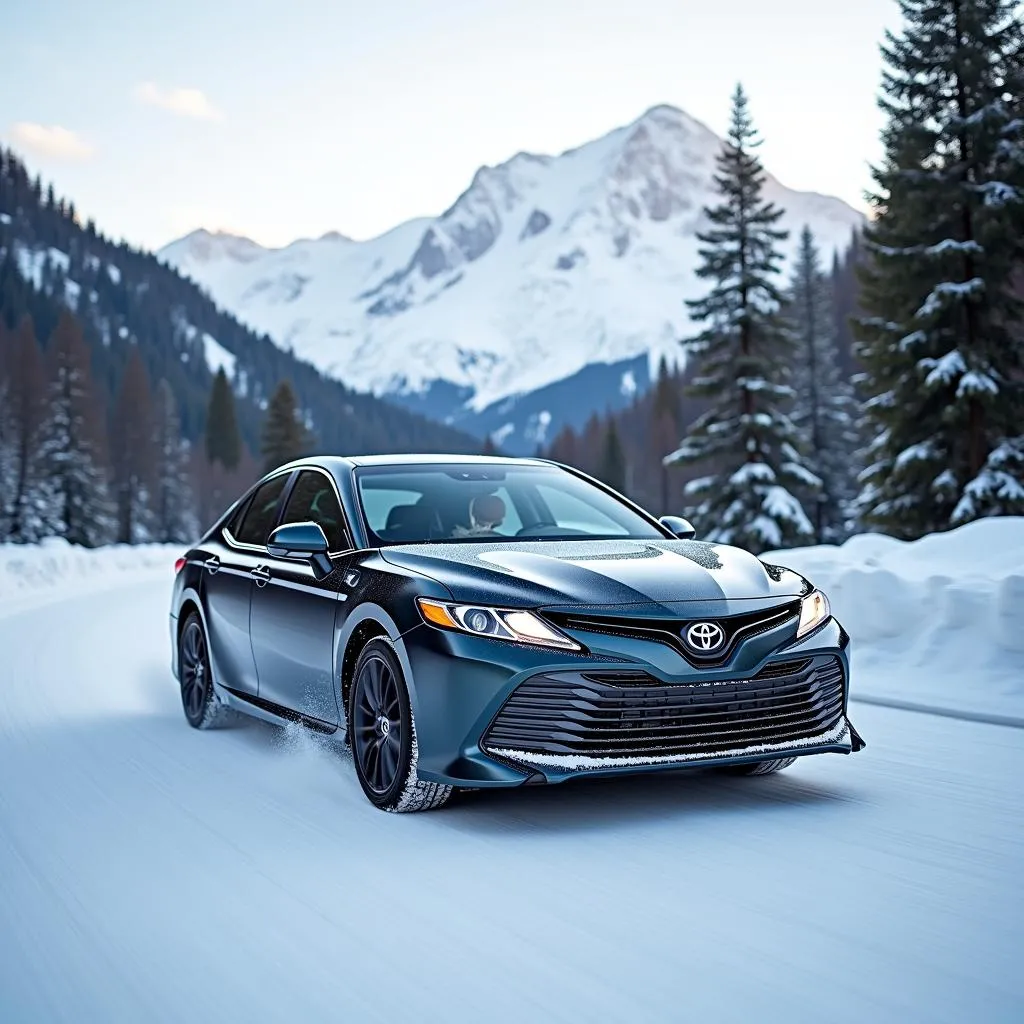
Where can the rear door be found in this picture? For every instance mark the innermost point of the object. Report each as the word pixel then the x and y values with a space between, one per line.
pixel 228 583
pixel 294 615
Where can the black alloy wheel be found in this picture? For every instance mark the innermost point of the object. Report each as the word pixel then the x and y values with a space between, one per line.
pixel 383 735
pixel 202 708
pixel 378 728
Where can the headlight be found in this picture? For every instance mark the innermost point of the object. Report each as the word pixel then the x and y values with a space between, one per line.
pixel 814 610
pixel 515 625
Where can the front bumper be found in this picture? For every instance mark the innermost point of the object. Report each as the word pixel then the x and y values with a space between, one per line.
pixel 460 683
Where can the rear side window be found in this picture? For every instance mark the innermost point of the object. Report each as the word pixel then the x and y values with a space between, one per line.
pixel 313 500
pixel 261 513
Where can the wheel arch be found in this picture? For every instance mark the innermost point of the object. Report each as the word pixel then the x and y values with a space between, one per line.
pixel 189 605
pixel 366 623
pixel 190 602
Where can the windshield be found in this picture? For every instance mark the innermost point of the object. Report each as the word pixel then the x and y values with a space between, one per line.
pixel 480 502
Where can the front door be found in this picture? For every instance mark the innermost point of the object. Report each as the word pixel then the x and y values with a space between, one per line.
pixel 293 616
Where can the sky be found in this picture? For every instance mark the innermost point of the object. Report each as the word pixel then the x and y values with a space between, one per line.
pixel 287 119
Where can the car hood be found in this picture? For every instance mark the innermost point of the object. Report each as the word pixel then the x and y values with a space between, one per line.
pixel 597 573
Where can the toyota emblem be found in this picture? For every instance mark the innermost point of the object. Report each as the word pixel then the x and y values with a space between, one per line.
pixel 705 637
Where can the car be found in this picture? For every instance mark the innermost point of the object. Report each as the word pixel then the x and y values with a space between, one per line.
pixel 467 622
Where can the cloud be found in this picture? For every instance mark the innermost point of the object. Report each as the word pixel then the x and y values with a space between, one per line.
pixel 50 141
pixel 183 102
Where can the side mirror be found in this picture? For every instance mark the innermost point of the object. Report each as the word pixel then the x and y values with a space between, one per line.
pixel 297 540
pixel 301 540
pixel 678 527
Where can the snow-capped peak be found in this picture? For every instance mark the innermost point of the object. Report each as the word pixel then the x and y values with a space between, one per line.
pixel 542 266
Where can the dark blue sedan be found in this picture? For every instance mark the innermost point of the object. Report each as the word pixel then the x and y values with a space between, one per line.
pixel 474 622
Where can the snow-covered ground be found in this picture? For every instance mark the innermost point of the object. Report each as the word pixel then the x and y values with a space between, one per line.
pixel 150 872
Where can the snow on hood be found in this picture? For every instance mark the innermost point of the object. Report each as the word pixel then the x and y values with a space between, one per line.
pixel 594 573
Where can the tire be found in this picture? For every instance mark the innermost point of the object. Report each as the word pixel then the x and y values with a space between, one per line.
pixel 203 710
pixel 759 767
pixel 383 735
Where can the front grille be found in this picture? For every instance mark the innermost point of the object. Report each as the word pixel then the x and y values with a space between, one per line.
pixel 670 631
pixel 606 715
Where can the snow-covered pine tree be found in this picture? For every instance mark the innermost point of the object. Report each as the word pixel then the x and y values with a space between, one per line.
pixel 7 442
pixel 941 339
pixel 73 447
pixel 26 490
pixel 746 439
pixel 173 508
pixel 824 410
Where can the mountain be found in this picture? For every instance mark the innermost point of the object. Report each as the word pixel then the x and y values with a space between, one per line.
pixel 545 267
pixel 127 299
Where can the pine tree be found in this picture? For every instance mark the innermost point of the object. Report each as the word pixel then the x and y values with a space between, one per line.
pixel 74 445
pixel 8 442
pixel 664 430
pixel 174 518
pixel 132 452
pixel 284 437
pixel 565 447
pixel 824 411
pixel 26 500
pixel 845 283
pixel 945 371
pixel 223 443
pixel 745 440
pixel 613 459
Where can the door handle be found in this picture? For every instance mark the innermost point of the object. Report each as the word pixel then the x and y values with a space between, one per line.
pixel 261 574
pixel 212 564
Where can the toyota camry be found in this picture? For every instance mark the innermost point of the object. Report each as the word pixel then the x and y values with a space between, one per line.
pixel 472 622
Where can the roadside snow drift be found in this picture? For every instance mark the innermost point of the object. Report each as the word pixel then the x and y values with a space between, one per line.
pixel 34 574
pixel 939 620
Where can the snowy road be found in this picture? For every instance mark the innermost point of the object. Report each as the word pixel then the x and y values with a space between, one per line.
pixel 152 873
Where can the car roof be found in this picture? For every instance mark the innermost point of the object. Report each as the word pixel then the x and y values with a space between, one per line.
pixel 413 459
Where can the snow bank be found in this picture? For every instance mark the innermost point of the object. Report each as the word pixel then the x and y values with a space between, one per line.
pixel 31 575
pixel 939 620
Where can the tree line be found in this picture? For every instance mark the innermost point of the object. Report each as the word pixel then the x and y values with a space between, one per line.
pixel 66 472
pixel 791 436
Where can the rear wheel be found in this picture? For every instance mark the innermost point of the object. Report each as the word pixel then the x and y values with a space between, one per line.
pixel 202 708
pixel 759 767
pixel 383 735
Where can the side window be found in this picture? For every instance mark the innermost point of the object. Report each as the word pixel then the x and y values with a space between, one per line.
pixel 313 500
pixel 235 521
pixel 259 516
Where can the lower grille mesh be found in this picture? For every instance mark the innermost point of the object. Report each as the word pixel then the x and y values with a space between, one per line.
pixel 635 715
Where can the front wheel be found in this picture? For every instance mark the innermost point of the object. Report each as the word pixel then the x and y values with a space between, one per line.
pixel 383 735
pixel 759 767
